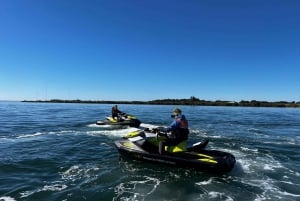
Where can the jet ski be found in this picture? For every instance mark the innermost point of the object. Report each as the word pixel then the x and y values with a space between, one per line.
pixel 143 145
pixel 123 120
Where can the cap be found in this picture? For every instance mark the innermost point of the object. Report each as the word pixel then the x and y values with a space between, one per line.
pixel 176 111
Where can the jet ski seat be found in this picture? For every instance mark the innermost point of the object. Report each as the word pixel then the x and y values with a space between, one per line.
pixel 181 147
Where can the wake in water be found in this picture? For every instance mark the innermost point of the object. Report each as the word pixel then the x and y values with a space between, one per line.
pixel 115 131
pixel 6 198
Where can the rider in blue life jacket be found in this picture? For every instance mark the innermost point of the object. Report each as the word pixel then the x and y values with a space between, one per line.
pixel 179 129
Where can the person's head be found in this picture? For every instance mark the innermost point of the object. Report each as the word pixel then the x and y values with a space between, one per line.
pixel 176 112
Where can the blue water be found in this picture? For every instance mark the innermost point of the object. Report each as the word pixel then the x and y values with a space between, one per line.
pixel 57 152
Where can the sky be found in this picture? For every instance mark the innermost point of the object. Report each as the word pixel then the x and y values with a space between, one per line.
pixel 152 49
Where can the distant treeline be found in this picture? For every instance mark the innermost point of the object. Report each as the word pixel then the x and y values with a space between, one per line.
pixel 191 101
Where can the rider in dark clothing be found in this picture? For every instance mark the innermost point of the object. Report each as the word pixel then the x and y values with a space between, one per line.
pixel 115 112
pixel 179 129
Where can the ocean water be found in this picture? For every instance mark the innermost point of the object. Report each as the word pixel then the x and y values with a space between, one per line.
pixel 57 152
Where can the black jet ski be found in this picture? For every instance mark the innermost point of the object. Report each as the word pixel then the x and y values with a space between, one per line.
pixel 143 145
pixel 123 120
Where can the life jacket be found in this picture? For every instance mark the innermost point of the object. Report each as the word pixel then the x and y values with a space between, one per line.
pixel 183 123
pixel 182 132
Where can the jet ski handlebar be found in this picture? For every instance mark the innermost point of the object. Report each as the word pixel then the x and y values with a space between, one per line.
pixel 123 115
pixel 158 131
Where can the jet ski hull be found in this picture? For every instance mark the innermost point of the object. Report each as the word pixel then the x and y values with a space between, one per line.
pixel 132 123
pixel 203 160
pixel 127 120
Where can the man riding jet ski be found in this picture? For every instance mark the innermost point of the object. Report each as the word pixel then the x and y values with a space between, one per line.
pixel 156 146
pixel 179 129
pixel 120 118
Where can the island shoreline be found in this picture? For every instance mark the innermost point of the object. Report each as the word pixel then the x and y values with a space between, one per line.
pixel 191 101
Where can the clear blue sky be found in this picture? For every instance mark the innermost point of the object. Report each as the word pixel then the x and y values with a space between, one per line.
pixel 153 49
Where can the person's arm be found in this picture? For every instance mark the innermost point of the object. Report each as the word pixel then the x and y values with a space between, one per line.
pixel 172 126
